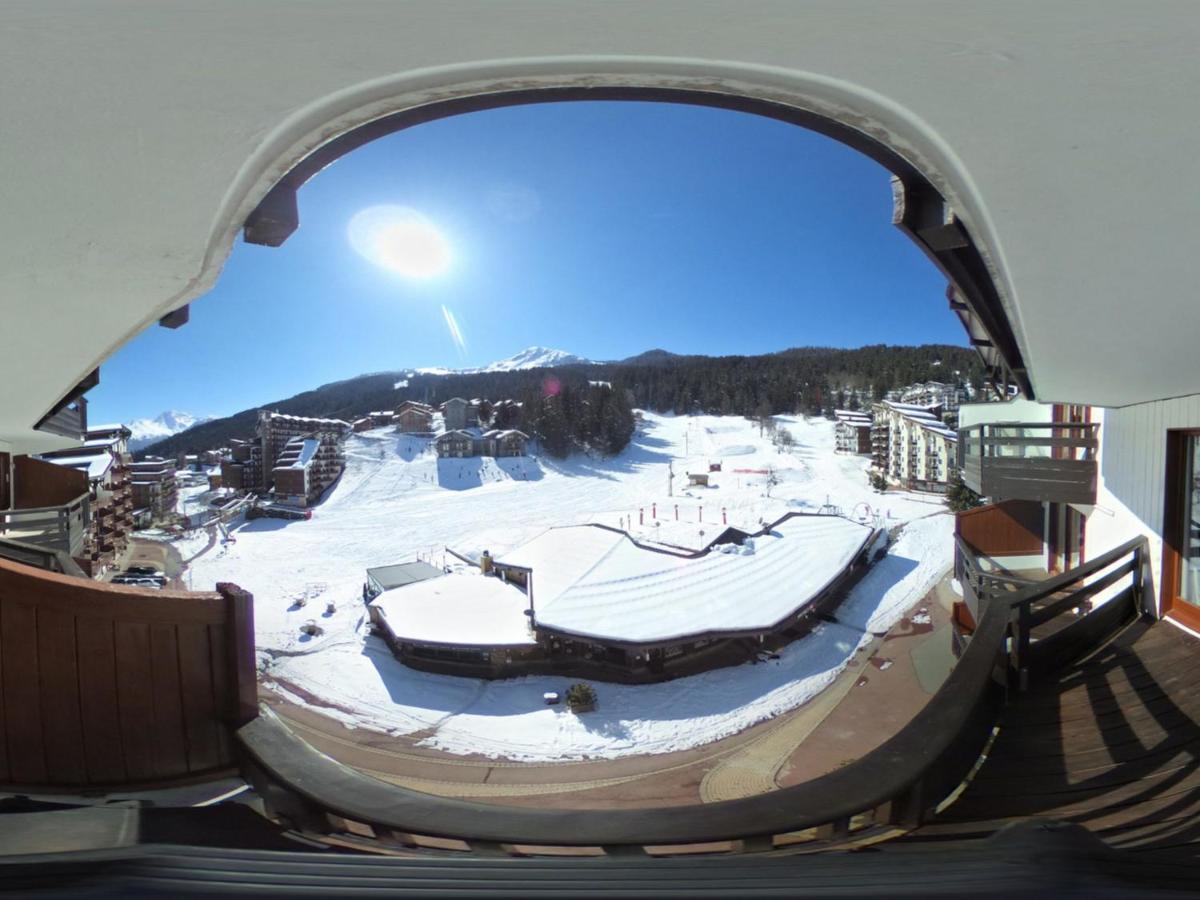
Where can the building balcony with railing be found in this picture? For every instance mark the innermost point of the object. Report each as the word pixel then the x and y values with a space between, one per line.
pixel 1021 455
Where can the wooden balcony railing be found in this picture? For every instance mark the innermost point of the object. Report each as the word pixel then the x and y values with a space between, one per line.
pixel 1044 461
pixel 52 527
pixel 40 558
pixel 111 686
pixel 888 790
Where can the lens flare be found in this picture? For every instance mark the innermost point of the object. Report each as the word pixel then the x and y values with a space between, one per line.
pixel 456 334
pixel 401 240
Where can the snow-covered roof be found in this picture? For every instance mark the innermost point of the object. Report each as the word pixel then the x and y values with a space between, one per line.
pixel 298 453
pixel 464 608
pixel 597 583
pixel 306 420
pixel 852 418
pixel 456 434
pixel 938 428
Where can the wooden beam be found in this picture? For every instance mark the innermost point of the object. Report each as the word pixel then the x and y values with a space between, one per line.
pixel 275 219
pixel 176 318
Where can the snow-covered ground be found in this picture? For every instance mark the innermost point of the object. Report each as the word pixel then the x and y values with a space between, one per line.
pixel 396 500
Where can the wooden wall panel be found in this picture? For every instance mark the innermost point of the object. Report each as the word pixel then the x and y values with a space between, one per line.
pixel 58 663
pixel 1011 528
pixel 135 698
pixel 103 685
pixel 22 703
pixel 201 718
pixel 170 748
pixel 38 483
pixel 98 700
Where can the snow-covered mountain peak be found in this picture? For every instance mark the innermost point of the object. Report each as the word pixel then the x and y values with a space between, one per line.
pixel 165 424
pixel 537 358
pixel 529 358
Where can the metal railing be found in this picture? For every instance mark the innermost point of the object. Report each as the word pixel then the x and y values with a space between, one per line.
pixel 53 527
pixel 1044 461
pixel 40 558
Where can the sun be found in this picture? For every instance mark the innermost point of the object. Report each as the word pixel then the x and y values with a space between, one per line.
pixel 401 240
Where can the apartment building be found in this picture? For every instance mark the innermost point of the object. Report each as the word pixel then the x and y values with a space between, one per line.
pixel 306 454
pixel 242 466
pixel 458 413
pixel 852 433
pixel 155 488
pixel 104 459
pixel 911 447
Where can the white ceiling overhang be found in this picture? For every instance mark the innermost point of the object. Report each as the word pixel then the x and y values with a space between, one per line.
pixel 139 137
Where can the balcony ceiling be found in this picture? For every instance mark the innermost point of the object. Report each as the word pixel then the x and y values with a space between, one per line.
pixel 138 137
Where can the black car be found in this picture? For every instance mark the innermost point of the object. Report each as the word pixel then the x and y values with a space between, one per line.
pixel 142 570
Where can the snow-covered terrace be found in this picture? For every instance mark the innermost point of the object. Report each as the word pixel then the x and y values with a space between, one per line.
pixel 597 583
pixel 633 595
pixel 464 608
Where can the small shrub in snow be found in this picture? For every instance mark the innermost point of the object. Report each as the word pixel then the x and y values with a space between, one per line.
pixel 581 697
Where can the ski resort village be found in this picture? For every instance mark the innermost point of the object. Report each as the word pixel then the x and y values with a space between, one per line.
pixel 431 576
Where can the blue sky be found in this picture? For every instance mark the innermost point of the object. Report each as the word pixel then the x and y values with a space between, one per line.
pixel 600 228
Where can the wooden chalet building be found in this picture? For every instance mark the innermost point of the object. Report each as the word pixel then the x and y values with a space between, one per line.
pixel 501 442
pixel 455 444
pixel 412 417
pixel 496 442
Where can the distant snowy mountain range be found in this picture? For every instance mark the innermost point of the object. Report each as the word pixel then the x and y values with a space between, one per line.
pixel 529 358
pixel 147 431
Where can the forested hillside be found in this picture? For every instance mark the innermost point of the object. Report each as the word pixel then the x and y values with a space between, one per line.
pixel 801 380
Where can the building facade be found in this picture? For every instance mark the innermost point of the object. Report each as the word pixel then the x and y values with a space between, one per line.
pixel 306 455
pixel 458 413
pixel 912 448
pixel 852 433
pixel 155 488
pixel 413 418
pixel 104 459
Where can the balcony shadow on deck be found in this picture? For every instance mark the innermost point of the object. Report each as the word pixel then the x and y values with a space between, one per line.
pixel 1111 743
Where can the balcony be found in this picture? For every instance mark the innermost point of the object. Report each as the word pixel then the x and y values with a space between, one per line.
pixel 1050 462
pixel 61 528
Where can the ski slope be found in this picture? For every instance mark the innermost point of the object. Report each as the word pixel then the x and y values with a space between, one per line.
pixel 396 500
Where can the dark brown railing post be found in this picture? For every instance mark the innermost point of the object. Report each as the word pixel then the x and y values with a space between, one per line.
pixel 1019 652
pixel 239 605
pixel 1139 561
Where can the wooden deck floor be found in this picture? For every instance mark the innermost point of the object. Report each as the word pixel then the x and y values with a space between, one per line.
pixel 1112 743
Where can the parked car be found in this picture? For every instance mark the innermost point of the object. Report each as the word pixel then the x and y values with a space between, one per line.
pixel 142 570
pixel 157 581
